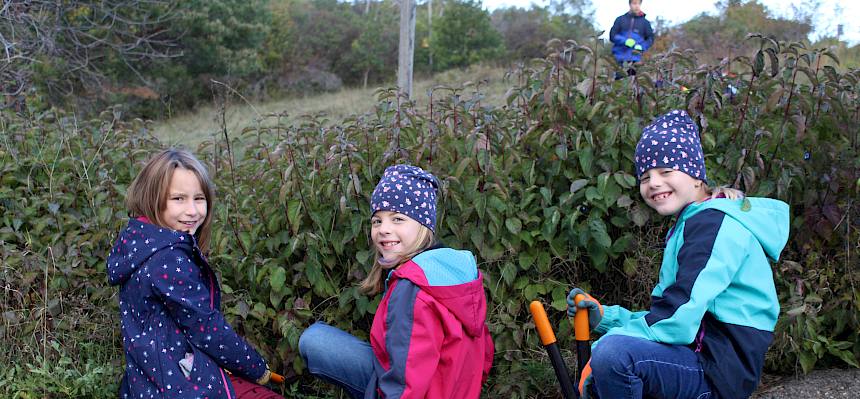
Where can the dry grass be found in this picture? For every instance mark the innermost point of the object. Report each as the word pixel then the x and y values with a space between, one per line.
pixel 191 129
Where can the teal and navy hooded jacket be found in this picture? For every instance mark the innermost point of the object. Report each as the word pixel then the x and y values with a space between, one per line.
pixel 169 303
pixel 429 335
pixel 715 291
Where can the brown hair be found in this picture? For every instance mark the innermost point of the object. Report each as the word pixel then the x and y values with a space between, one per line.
pixel 373 283
pixel 147 194
pixel 728 192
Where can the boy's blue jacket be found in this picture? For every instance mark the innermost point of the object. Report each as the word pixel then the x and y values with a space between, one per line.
pixel 715 290
pixel 630 26
pixel 169 302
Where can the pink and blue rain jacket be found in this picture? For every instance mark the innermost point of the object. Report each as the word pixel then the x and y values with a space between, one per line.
pixel 429 333
pixel 169 302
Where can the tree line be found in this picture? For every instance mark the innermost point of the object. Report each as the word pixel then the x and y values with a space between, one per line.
pixel 160 57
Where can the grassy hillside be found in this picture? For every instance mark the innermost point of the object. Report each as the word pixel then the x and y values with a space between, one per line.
pixel 191 129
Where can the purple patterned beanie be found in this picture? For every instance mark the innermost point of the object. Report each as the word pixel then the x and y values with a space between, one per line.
pixel 671 141
pixel 408 190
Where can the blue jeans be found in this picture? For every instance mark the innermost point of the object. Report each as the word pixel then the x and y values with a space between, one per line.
pixel 627 367
pixel 338 357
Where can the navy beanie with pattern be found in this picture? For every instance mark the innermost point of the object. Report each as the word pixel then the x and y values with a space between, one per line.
pixel 409 190
pixel 671 141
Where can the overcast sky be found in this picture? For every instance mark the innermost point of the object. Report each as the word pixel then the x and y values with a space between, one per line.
pixel 831 13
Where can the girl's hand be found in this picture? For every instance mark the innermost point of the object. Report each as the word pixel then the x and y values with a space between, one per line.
pixel 265 378
pixel 595 310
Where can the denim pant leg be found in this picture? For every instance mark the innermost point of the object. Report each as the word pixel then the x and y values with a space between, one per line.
pixel 627 367
pixel 337 357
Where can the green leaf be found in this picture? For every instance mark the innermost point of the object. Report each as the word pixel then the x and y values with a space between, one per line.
pixel 531 292
pixel 559 298
pixel 585 87
pixel 625 180
pixel 245 237
pixel 598 258
pixel 602 180
pixel 313 271
pixel 758 64
pixel 774 61
pixel 846 356
pixel 586 158
pixel 546 193
pixel 621 244
pixel 796 311
pixel 363 257
pixel 639 215
pixel 598 232
pixel 497 204
pixel 543 261
pixel 293 209
pixel 514 225
pixel 746 205
pixel 275 298
pixel 527 259
pixel 577 184
pixel 624 201
pixel 277 279
pixel 592 194
pixel 509 273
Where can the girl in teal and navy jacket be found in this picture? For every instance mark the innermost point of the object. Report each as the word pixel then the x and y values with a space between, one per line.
pixel 714 308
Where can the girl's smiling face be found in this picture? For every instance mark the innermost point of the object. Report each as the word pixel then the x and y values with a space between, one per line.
pixel 394 234
pixel 186 203
pixel 668 190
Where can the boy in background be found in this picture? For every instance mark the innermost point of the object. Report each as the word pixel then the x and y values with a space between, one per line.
pixel 631 35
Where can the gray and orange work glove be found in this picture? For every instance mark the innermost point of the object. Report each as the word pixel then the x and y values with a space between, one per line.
pixel 595 310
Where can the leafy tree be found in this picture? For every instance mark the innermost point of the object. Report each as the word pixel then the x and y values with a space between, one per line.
pixel 222 37
pixel 221 40
pixel 71 48
pixel 323 33
pixel 462 36
pixel 723 35
pixel 526 31
pixel 374 51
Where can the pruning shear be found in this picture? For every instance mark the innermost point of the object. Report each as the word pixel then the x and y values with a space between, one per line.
pixel 548 340
pixel 273 377
pixel 276 378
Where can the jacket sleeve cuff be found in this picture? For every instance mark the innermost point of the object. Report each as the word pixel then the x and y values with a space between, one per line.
pixel 609 320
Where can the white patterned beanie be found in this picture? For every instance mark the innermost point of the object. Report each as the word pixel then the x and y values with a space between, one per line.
pixel 671 141
pixel 409 190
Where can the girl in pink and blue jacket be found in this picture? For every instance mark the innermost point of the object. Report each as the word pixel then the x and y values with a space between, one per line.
pixel 429 337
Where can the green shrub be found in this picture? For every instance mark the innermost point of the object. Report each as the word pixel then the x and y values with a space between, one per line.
pixel 540 190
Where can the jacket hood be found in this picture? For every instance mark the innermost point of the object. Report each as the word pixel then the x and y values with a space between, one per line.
pixel 767 219
pixel 452 278
pixel 137 243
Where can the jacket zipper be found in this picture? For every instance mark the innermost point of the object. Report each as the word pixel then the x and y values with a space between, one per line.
pixel 212 307
pixel 632 21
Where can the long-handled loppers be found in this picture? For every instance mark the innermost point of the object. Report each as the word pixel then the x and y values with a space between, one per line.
pixel 583 348
pixel 547 338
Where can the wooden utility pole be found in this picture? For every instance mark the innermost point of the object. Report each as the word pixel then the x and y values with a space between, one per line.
pixel 406 50
pixel 430 31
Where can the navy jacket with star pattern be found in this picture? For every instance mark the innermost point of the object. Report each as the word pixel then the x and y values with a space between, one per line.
pixel 169 303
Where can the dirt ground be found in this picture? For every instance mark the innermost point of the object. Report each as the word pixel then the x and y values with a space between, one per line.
pixel 834 383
